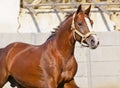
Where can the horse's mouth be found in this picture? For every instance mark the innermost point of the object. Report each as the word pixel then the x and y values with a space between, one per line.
pixel 94 46
pixel 90 44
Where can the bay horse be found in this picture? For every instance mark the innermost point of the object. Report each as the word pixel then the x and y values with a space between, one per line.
pixel 52 64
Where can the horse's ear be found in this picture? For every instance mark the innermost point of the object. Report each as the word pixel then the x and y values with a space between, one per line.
pixel 87 11
pixel 79 9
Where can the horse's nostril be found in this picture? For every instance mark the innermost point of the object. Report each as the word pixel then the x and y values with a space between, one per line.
pixel 98 43
pixel 92 42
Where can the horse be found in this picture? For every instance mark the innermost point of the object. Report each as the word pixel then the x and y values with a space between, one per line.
pixel 51 64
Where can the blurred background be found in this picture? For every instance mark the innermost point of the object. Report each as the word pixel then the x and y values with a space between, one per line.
pixel 34 16
pixel 31 21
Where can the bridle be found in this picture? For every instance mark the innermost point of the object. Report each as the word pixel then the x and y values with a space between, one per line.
pixel 75 31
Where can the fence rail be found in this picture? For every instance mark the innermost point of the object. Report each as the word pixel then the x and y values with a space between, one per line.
pixel 70 7
pixel 73 4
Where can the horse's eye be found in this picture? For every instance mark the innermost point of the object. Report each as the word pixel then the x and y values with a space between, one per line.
pixel 80 24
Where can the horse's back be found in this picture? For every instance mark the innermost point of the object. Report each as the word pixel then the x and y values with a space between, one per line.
pixel 23 62
pixel 18 50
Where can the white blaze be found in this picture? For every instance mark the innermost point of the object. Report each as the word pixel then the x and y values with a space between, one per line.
pixel 91 29
pixel 88 24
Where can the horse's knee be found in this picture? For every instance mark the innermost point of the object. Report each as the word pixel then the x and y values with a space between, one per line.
pixel 14 83
pixel 3 78
pixel 2 83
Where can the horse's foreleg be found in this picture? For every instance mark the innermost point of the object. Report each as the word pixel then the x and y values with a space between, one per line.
pixel 70 84
pixel 14 83
pixel 3 77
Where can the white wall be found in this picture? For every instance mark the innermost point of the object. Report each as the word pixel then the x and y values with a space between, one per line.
pixel 9 10
pixel 45 22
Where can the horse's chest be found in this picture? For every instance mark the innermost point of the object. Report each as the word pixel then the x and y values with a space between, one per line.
pixel 69 70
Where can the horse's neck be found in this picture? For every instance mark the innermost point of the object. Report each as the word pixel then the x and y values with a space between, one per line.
pixel 65 41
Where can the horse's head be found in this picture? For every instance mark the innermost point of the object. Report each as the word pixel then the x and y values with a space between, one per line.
pixel 82 28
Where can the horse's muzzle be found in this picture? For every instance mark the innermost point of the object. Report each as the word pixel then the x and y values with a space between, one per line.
pixel 92 41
